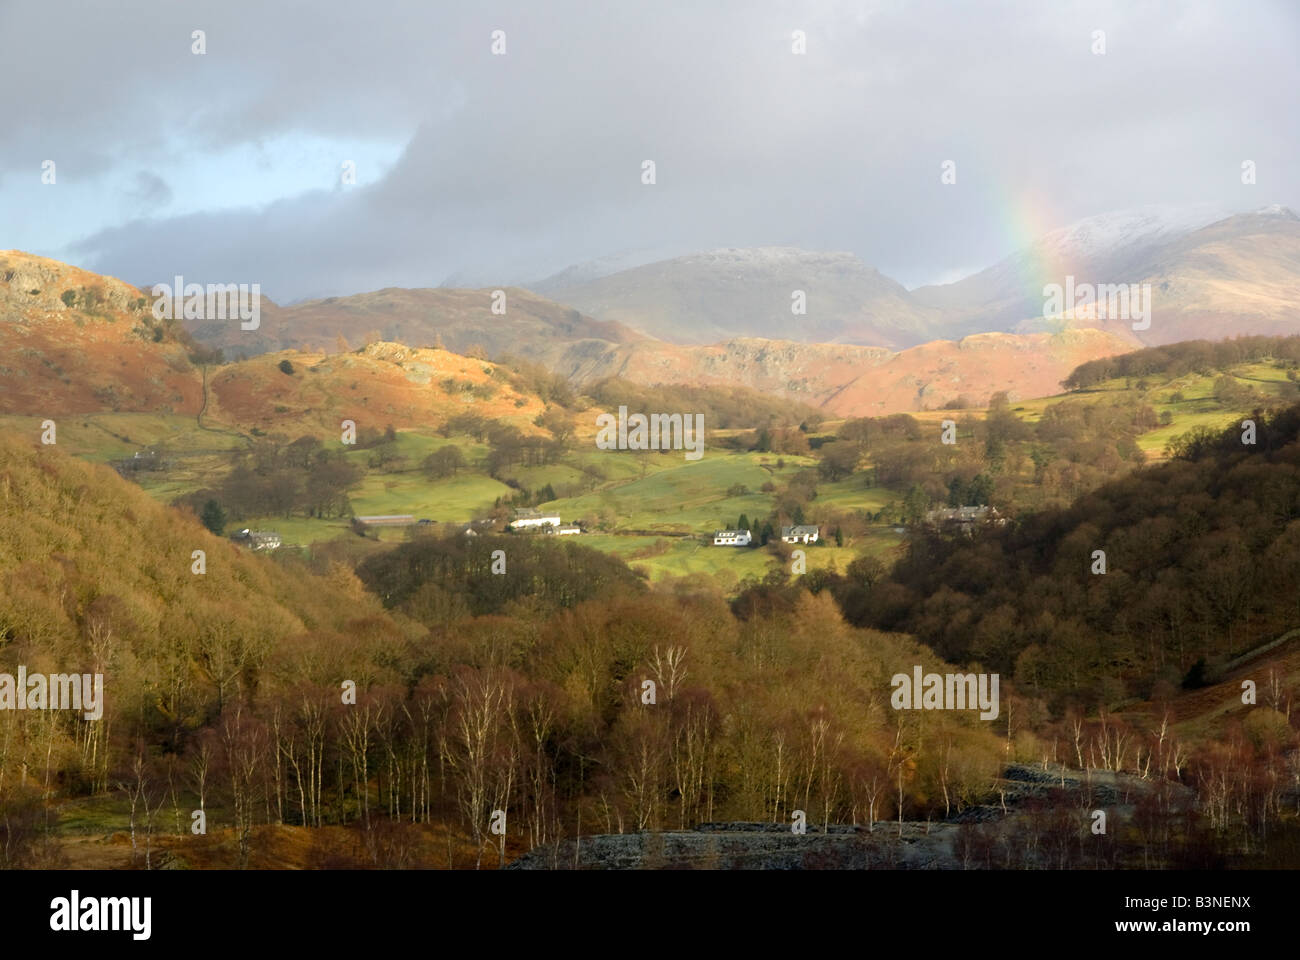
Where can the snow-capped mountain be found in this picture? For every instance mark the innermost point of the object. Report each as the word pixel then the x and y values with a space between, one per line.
pixel 1120 232
pixel 589 271
pixel 1210 265
pixel 1215 274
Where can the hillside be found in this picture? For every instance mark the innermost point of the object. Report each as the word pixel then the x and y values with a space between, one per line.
pixel 223 694
pixel 458 320
pixel 1235 275
pixel 1238 276
pixel 240 667
pixel 102 351
pixel 722 294
pixel 848 380
pixel 74 342
pixel 97 575
pixel 384 383
pixel 1200 567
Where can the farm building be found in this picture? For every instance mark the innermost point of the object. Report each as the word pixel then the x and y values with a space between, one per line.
pixel 257 539
pixel 386 520
pixel 964 518
pixel 731 538
pixel 526 519
pixel 800 533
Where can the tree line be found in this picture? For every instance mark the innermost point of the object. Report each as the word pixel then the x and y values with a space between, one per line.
pixel 1203 357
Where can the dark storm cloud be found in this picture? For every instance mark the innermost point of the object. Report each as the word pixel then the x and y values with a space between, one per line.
pixel 516 166
pixel 148 192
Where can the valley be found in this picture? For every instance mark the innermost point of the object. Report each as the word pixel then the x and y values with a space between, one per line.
pixel 441 609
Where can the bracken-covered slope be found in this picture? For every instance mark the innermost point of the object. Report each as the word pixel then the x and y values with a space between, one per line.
pixel 74 342
pixel 384 383
pixel 77 342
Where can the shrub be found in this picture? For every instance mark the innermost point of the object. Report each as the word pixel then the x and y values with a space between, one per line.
pixel 213 517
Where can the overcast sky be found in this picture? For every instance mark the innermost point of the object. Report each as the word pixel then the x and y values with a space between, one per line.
pixel 486 169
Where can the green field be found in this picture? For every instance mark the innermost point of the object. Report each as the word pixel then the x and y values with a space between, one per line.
pixel 1198 406
pixel 684 496
pixel 626 499
pixel 693 557
pixel 854 493
pixel 100 437
pixel 455 499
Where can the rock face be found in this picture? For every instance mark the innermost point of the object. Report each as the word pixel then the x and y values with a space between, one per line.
pixel 847 380
pixel 33 287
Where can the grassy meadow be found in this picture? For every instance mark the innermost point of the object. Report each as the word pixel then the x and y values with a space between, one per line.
pixel 654 510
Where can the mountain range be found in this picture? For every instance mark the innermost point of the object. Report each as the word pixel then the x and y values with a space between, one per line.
pixel 708 297
pixel 77 341
pixel 1234 275
pixel 1212 274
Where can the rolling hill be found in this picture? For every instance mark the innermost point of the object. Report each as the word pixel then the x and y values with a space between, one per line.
pixel 458 320
pixel 848 380
pixel 72 529
pixel 722 294
pixel 381 384
pixel 1198 563
pixel 73 341
pixel 100 350
pixel 77 342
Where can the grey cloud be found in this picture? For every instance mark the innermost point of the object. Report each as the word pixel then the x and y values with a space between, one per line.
pixel 517 166
pixel 149 192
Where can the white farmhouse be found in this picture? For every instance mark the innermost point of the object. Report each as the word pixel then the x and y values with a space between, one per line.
pixel 731 538
pixel 534 519
pixel 257 539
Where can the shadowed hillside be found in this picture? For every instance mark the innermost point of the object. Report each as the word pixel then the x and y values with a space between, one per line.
pixel 1199 566
pixel 462 321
